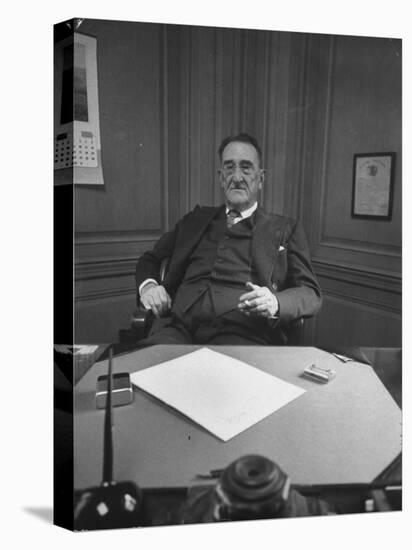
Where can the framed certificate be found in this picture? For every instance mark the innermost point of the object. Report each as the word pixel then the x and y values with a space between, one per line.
pixel 372 191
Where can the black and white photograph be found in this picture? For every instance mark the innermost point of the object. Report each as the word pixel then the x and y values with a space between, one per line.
pixel 238 273
pixel 205 275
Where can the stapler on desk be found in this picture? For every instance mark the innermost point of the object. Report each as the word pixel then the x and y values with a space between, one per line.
pixel 319 374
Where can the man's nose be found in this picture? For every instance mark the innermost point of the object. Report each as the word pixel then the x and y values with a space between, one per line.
pixel 237 174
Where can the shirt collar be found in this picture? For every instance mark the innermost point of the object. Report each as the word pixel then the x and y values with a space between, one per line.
pixel 246 213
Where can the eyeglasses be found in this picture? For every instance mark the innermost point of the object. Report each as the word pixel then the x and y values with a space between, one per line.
pixel 245 167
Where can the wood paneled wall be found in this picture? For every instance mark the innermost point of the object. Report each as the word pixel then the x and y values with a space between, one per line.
pixel 169 94
pixel 352 105
pixel 116 223
pixel 224 81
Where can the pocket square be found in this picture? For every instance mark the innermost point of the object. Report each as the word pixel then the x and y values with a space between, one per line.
pixel 281 248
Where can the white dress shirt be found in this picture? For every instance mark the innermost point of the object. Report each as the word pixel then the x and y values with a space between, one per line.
pixel 243 215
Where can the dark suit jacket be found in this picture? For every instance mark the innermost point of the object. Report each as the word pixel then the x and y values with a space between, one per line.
pixel 280 257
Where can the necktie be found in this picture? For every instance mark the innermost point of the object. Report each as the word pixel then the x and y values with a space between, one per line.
pixel 231 215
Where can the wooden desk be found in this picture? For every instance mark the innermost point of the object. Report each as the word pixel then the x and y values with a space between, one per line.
pixel 347 431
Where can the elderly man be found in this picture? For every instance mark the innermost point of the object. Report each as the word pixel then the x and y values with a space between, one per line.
pixel 237 274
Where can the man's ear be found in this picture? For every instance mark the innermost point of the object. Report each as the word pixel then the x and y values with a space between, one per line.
pixel 262 176
pixel 220 174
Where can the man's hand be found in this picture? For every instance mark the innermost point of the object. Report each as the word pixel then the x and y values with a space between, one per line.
pixel 156 298
pixel 259 301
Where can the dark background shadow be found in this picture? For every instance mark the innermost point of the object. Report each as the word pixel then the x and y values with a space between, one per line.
pixel 43 513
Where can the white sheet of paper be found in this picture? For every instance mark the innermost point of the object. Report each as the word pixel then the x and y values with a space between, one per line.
pixel 222 394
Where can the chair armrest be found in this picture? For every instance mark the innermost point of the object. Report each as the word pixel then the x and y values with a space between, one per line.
pixel 141 322
pixel 295 332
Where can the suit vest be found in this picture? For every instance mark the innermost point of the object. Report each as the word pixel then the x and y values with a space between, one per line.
pixel 222 262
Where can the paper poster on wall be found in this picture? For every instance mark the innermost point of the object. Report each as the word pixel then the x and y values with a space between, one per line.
pixel 77 146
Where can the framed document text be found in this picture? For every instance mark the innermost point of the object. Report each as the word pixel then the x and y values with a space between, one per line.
pixel 372 190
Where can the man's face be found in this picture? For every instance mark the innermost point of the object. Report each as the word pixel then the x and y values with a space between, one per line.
pixel 240 175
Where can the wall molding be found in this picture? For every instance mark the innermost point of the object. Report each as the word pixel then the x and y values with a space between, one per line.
pixel 296 130
pixel 99 295
pixel 104 268
pixel 356 316
pixel 102 237
pixel 164 127
pixel 218 103
pixel 185 83
pixel 105 250
pixel 360 301
pixel 325 144
pixel 382 310
pixel 381 290
pixel 360 246
pixel 194 126
pixel 266 100
pixel 373 278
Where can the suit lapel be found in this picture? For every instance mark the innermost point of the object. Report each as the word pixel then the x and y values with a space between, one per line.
pixel 191 234
pixel 195 227
pixel 265 244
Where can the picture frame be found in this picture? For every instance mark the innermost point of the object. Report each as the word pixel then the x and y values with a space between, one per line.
pixel 372 189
